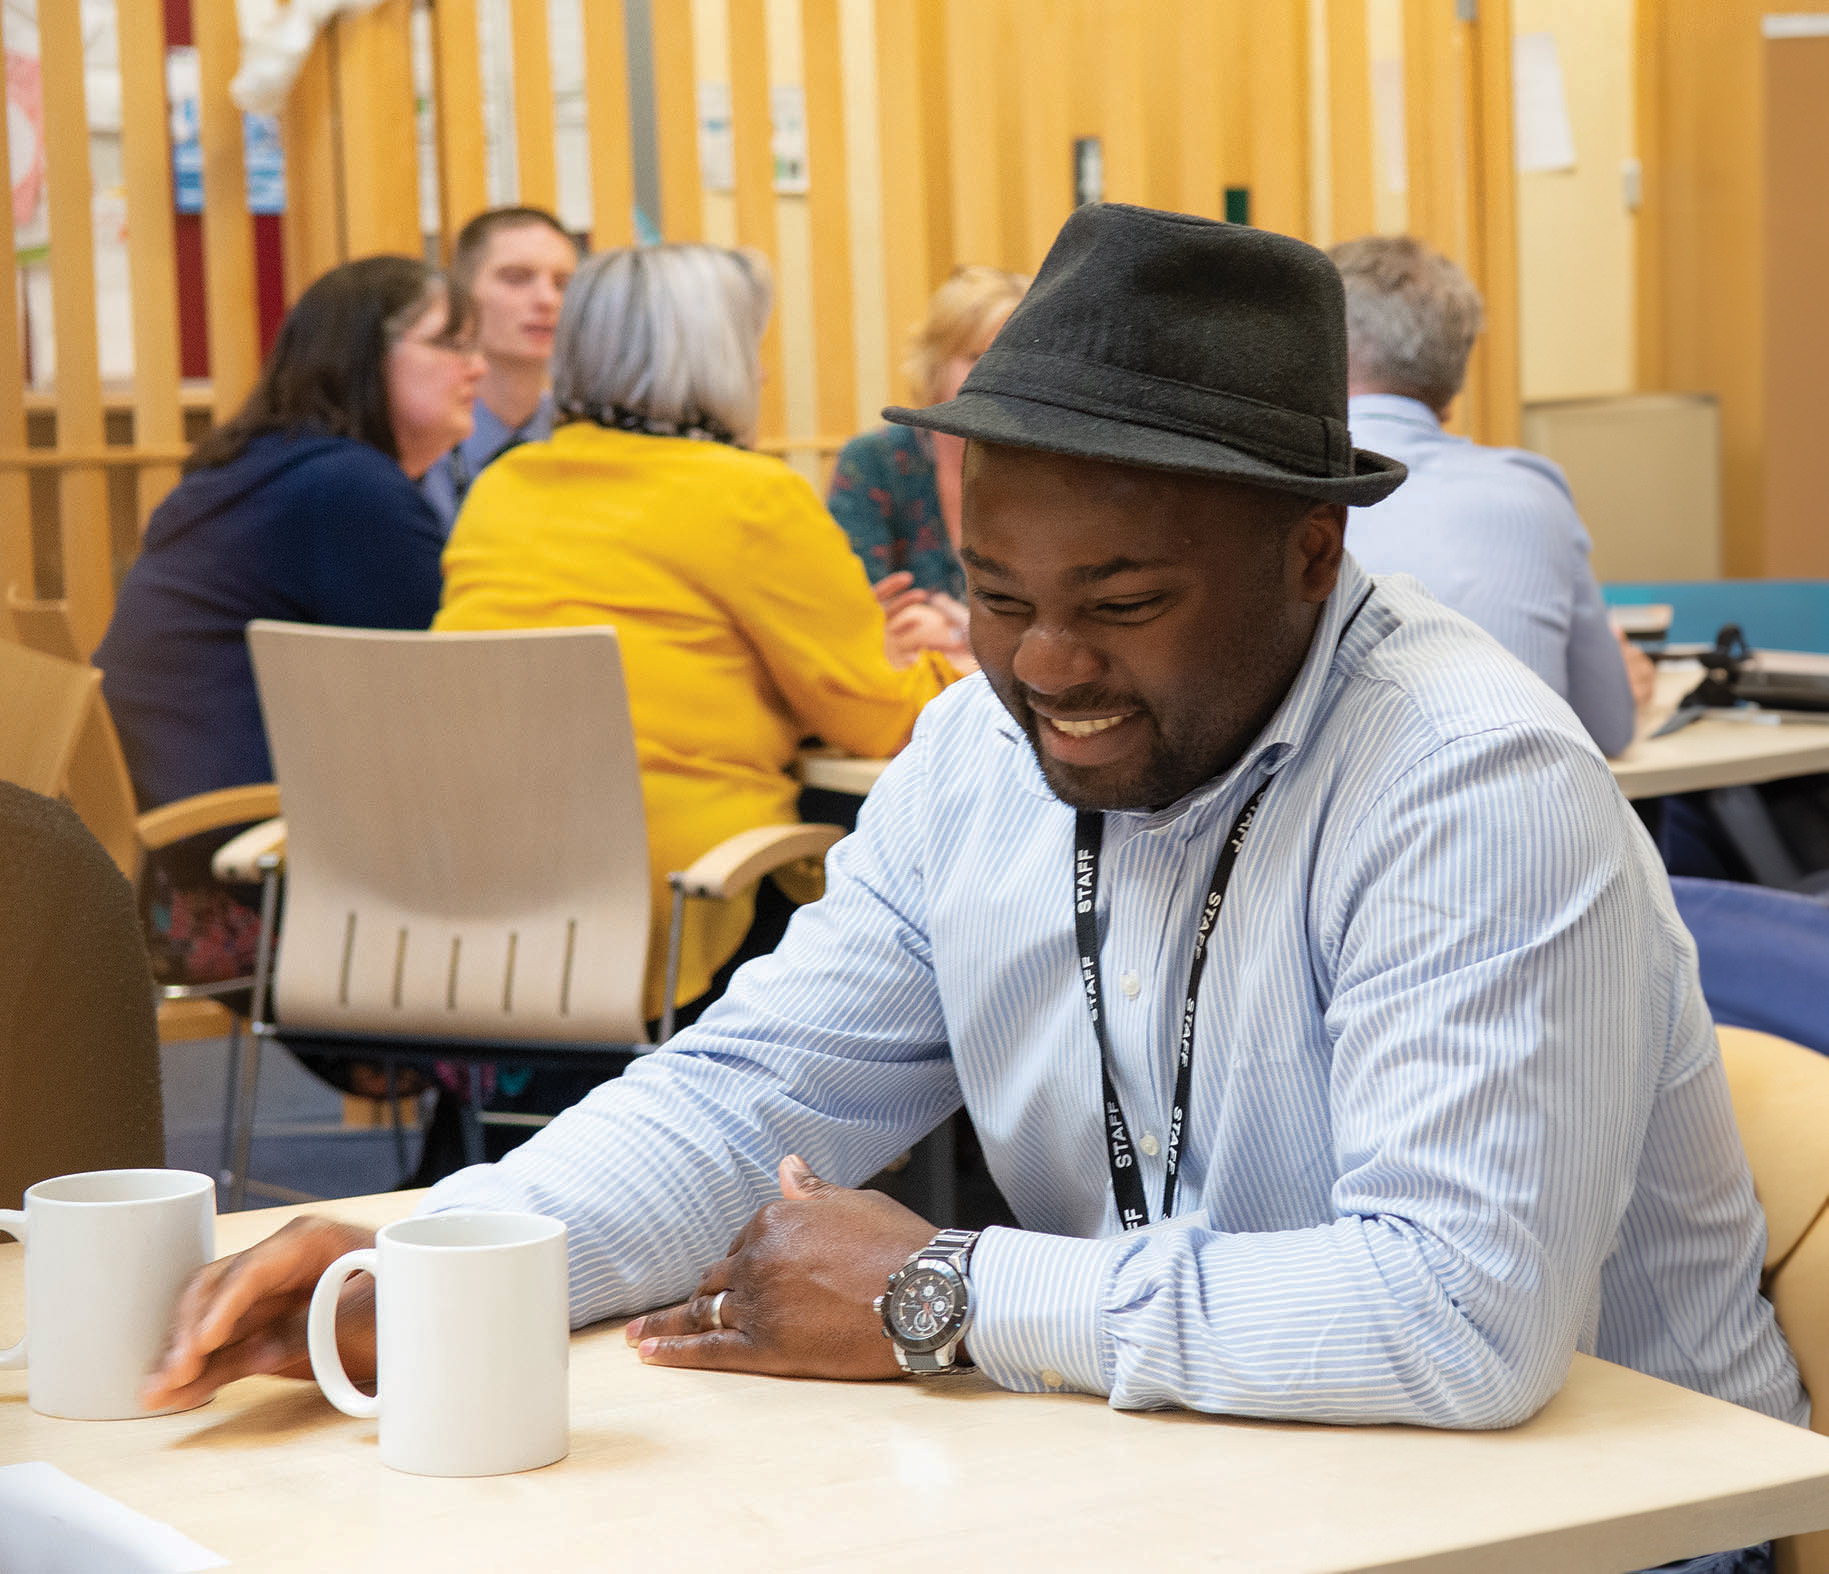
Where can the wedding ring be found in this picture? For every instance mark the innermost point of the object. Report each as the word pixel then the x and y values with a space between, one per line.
pixel 717 1310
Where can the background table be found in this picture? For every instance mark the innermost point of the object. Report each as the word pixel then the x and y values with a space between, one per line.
pixel 1715 753
pixel 673 1469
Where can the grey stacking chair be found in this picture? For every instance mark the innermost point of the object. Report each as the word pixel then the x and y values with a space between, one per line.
pixel 465 852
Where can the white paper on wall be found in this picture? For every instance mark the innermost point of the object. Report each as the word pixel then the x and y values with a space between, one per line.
pixel 1388 124
pixel 1540 108
pixel 717 144
pixel 787 105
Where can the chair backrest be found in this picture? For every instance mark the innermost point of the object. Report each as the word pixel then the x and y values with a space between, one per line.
pixel 1774 614
pixel 56 738
pixel 1781 1103
pixel 43 626
pixel 43 705
pixel 466 851
pixel 1764 957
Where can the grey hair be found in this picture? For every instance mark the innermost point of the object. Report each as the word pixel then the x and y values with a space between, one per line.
pixel 1411 317
pixel 665 338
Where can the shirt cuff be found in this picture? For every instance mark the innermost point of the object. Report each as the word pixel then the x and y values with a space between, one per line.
pixel 1036 1318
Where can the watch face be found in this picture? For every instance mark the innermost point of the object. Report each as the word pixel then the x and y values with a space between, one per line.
pixel 924 1311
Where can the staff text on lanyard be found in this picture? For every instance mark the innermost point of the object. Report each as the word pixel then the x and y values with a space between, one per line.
pixel 1126 1185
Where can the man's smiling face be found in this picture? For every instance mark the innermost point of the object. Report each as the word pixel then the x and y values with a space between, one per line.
pixel 1141 626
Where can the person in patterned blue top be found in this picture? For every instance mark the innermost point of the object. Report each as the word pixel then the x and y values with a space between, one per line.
pixel 896 490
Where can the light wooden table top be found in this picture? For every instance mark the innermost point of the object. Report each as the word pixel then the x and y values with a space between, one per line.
pixel 1712 752
pixel 688 1470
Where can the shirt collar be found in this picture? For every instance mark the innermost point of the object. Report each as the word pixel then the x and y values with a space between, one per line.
pixel 490 434
pixel 1391 407
pixel 1332 654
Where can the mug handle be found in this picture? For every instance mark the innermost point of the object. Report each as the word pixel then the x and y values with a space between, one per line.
pixel 321 1336
pixel 13 1222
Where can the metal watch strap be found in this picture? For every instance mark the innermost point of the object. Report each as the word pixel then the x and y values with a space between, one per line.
pixel 954 1248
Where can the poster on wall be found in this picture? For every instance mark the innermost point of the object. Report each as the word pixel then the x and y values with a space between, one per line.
pixel 788 123
pixel 261 152
pixel 1540 106
pixel 717 141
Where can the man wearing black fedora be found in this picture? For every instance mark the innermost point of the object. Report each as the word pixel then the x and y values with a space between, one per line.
pixel 1318 1001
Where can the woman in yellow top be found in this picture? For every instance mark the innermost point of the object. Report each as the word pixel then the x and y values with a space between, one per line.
pixel 746 621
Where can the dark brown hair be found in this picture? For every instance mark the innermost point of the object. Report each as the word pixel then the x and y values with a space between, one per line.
pixel 473 240
pixel 327 372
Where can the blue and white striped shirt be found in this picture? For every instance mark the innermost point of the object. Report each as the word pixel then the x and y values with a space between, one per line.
pixel 1457 1106
pixel 1494 534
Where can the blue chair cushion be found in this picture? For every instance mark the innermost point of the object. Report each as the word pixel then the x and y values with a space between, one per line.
pixel 1764 957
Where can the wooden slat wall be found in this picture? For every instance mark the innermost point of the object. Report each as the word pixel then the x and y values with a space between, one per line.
pixel 973 164
pixel 379 152
pixel 146 169
pixel 463 179
pixel 536 159
pixel 83 490
pixel 676 121
pixel 228 237
pixel 311 228
pixel 835 355
pixel 17 575
pixel 1350 152
pixel 755 176
pixel 606 90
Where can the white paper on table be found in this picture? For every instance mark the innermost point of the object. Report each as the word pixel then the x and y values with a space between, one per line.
pixel 51 1523
pixel 1540 108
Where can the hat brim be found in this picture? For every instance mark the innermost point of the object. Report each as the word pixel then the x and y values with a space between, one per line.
pixel 1054 429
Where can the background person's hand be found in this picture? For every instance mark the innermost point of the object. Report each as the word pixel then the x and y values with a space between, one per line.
pixel 919 628
pixel 246 1314
pixel 803 1277
pixel 896 591
pixel 1641 670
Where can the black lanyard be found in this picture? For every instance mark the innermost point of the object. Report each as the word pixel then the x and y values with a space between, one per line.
pixel 1126 1186
pixel 461 473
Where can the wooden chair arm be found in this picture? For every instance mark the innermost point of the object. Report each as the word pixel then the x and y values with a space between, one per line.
pixel 238 861
pixel 207 811
pixel 740 861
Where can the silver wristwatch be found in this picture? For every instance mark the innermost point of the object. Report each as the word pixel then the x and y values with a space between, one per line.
pixel 928 1306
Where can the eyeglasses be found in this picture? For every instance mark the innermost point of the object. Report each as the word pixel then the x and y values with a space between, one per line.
pixel 447 343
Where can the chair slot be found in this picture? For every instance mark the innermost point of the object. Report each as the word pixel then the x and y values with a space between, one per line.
pixel 451 976
pixel 508 974
pixel 399 966
pixel 565 977
pixel 349 951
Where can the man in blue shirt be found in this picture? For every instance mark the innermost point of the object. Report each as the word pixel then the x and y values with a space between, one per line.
pixel 1492 532
pixel 1319 1002
pixel 509 269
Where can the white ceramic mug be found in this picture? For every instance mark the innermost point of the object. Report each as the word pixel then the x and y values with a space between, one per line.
pixel 472 1342
pixel 107 1254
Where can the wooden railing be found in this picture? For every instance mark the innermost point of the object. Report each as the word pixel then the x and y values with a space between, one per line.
pixel 938 132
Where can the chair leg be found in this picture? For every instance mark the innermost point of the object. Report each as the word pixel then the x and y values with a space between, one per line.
pixel 231 1080
pixel 468 1123
pixel 248 1085
pixel 393 1120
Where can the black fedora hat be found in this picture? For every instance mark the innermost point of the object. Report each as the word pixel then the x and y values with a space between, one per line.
pixel 1175 343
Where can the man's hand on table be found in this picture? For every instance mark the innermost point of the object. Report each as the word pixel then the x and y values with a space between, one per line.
pixel 802 1278
pixel 245 1314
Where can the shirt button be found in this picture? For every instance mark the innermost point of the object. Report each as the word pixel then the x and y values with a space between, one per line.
pixel 1150 1145
pixel 1131 985
pixel 1051 1378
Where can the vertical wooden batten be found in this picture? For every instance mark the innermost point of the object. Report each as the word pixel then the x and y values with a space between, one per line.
pixel 1044 143
pixel 463 177
pixel 1278 34
pixel 754 160
pixel 83 490
pixel 152 258
pixel 536 159
pixel 380 152
pixel 17 573
pixel 1349 79
pixel 1492 220
pixel 1200 87
pixel 228 235
pixel 1433 144
pixel 906 239
pixel 676 118
pixel 829 215
pixel 606 92
pixel 313 225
